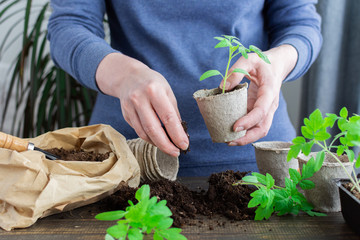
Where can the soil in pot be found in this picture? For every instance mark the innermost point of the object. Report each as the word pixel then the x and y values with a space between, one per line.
pixel 221 198
pixel 355 192
pixel 78 155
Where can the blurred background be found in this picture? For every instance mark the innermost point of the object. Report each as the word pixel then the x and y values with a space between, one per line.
pixel 36 97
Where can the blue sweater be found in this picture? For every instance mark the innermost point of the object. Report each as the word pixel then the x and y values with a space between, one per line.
pixel 175 38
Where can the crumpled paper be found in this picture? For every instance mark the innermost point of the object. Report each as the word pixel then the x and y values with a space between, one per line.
pixel 33 187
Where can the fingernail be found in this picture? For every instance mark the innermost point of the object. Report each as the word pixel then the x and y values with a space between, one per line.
pixel 227 85
pixel 232 144
pixel 175 153
pixel 184 146
pixel 238 129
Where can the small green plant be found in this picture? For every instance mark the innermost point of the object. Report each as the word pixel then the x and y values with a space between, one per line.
pixel 270 198
pixel 235 48
pixel 315 133
pixel 146 217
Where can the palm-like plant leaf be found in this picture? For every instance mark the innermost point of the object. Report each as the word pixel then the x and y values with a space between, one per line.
pixel 46 98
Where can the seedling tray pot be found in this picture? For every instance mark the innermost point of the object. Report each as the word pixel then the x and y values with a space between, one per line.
pixel 350 205
pixel 220 111
pixel 271 158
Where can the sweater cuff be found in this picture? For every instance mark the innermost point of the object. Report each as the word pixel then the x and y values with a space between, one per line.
pixel 305 53
pixel 88 62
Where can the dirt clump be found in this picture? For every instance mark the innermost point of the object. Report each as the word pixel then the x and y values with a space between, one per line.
pixel 221 198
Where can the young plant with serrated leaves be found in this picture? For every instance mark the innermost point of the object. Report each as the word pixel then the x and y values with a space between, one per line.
pixel 315 132
pixel 148 216
pixel 270 198
pixel 235 48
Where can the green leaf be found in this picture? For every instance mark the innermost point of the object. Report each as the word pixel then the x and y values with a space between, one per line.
pixel 219 38
pixel 322 135
pixel 308 169
pixel 110 216
pixel 340 150
pixel 294 175
pixel 330 120
pixel 262 213
pixel 250 179
pixel 255 201
pixel 357 164
pixel 316 120
pixel 293 152
pixel 117 231
pixel 165 223
pixel 109 237
pixel 319 160
pixel 243 52
pixel 306 147
pixel 306 184
pixel 209 73
pixel 172 234
pixel 157 236
pixel 223 43
pixel 298 140
pixel 344 112
pixel 259 53
pixel 238 70
pixel 306 132
pixel 350 155
pixel 269 181
pixel 143 192
pixel 260 177
pixel 135 234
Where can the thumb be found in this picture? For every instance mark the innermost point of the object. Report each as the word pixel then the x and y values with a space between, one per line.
pixel 235 76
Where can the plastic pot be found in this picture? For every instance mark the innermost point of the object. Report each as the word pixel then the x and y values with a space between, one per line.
pixel 221 110
pixel 350 206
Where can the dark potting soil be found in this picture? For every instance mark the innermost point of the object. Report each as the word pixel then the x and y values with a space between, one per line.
pixel 355 192
pixel 221 198
pixel 78 155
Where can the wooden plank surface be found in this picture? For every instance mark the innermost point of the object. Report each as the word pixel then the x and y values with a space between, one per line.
pixel 80 224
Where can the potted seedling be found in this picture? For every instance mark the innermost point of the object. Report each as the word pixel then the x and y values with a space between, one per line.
pixel 146 217
pixel 335 160
pixel 220 109
pixel 269 198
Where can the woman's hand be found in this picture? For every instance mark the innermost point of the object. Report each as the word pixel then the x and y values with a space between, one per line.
pixel 264 89
pixel 146 99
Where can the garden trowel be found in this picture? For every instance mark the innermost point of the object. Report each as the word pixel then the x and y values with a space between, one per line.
pixel 14 143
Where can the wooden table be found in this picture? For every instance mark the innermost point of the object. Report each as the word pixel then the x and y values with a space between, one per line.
pixel 80 224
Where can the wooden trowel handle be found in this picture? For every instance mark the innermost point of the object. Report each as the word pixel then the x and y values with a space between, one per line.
pixel 13 143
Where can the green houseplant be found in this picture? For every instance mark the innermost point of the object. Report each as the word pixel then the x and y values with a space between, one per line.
pixel 45 97
pixel 220 109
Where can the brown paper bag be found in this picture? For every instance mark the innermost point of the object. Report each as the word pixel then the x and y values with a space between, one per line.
pixel 32 186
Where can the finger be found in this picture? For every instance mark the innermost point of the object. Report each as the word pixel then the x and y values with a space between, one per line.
pixel 133 120
pixel 170 117
pixel 258 131
pixel 152 127
pixel 260 110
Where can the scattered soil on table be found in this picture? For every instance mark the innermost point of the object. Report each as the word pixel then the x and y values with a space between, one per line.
pixel 78 155
pixel 355 192
pixel 222 198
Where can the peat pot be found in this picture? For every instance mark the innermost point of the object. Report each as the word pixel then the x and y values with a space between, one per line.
pixel 271 158
pixel 350 205
pixel 220 111
pixel 154 164
pixel 325 195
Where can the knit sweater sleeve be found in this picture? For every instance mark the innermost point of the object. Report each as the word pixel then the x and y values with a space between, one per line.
pixel 298 24
pixel 76 36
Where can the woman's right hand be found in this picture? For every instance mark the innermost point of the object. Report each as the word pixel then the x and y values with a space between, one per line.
pixel 146 100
